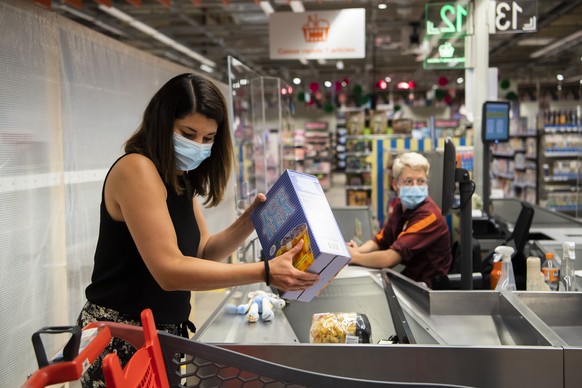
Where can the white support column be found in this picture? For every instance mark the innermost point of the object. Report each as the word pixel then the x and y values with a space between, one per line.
pixel 476 76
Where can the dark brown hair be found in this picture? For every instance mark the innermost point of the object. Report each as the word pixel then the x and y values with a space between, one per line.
pixel 183 95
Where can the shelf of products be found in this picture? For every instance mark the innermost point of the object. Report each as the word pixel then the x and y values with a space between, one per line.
pixel 341 131
pixel 309 151
pixel 318 152
pixel 514 170
pixel 514 167
pixel 560 159
pixel 293 154
pixel 358 170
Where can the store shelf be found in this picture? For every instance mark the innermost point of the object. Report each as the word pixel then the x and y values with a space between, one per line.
pixel 514 170
pixel 561 162
pixel 318 152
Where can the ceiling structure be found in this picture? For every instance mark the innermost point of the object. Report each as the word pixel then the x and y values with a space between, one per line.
pixel 216 29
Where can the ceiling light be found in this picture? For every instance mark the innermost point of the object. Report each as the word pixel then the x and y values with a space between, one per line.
pixel 303 61
pixel 460 80
pixel 327 84
pixel 266 7
pixel 91 19
pixel 559 45
pixel 297 6
pixel 321 61
pixel 382 6
pixel 339 65
pixel 206 68
pixel 156 35
pixel 296 80
pixel 560 77
pixel 535 42
pixel 388 79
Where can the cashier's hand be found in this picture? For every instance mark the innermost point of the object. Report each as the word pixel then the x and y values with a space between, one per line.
pixel 285 276
pixel 353 247
pixel 354 251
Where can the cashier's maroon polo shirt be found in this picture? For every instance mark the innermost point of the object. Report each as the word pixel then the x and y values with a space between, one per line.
pixel 421 236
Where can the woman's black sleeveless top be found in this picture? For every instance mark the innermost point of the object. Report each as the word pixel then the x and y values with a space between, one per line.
pixel 121 280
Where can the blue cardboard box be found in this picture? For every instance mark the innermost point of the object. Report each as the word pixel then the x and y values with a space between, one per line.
pixel 297 208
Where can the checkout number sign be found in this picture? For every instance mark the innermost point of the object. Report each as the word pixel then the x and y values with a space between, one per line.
pixel 513 16
pixel 446 20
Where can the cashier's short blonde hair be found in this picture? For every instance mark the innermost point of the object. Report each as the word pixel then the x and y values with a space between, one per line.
pixel 414 160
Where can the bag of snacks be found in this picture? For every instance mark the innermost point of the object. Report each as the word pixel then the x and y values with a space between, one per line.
pixel 340 328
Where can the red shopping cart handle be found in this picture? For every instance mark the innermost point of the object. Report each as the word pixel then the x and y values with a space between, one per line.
pixel 77 356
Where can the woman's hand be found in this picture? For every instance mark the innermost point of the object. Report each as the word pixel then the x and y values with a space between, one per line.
pixel 285 276
pixel 245 218
pixel 260 198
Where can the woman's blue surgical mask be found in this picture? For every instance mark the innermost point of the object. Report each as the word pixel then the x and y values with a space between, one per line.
pixel 189 154
pixel 412 196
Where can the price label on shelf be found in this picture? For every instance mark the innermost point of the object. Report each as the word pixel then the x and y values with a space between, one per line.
pixel 513 16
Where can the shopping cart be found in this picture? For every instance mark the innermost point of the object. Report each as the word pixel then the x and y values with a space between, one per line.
pixel 164 360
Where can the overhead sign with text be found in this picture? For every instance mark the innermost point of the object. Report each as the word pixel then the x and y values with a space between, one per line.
pixel 446 54
pixel 513 16
pixel 318 35
pixel 446 20
pixel 446 26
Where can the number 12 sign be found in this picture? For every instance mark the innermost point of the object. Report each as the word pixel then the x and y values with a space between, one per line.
pixel 446 20
pixel 513 16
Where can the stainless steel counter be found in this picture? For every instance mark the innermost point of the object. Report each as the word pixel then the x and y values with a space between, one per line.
pixel 473 338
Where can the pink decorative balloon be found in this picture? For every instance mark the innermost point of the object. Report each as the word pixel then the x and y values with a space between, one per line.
pixel 314 87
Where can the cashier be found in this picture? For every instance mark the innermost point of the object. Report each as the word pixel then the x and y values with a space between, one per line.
pixel 416 234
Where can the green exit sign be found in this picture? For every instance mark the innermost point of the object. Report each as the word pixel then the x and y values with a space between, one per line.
pixel 445 20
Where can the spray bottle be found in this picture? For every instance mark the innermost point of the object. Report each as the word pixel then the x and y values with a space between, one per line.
pixel 507 279
pixel 567 274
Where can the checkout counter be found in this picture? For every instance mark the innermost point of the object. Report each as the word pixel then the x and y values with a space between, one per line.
pixel 477 338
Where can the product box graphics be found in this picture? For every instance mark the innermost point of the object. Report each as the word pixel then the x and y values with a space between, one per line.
pixel 296 208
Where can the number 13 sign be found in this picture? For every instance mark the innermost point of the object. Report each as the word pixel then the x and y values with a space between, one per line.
pixel 513 16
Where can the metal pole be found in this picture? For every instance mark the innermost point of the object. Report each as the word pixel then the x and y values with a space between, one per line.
pixel 466 187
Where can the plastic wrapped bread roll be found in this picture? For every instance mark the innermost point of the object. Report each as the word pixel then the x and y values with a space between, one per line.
pixel 340 328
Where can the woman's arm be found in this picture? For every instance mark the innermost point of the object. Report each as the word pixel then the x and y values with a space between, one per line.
pixel 221 245
pixel 136 195
pixel 377 259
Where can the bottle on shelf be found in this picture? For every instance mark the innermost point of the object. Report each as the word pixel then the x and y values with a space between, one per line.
pixel 495 272
pixel 534 277
pixel 507 278
pixel 567 280
pixel 551 271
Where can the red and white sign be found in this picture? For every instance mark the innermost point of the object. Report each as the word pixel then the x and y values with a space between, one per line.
pixel 318 35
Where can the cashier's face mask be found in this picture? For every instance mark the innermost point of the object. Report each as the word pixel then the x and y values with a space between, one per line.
pixel 189 154
pixel 412 196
